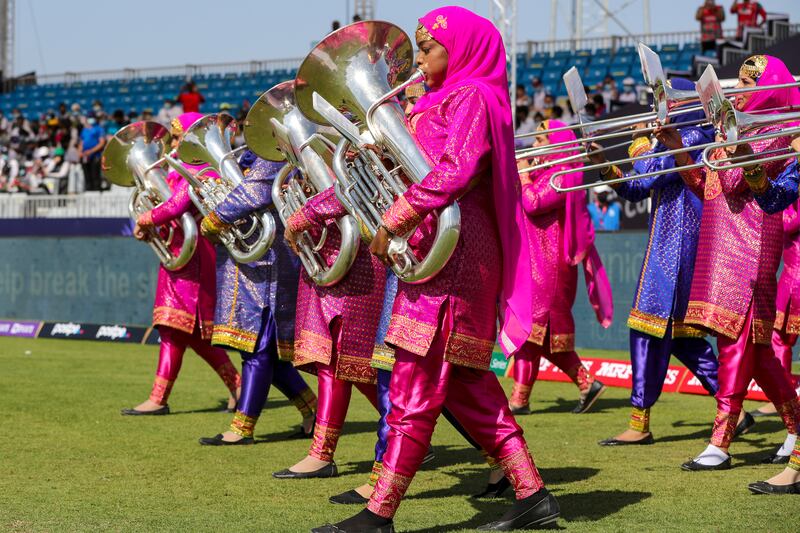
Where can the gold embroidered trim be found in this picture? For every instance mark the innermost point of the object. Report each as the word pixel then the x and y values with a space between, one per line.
pixel 211 224
pixel 383 357
pixel 177 127
pixel 161 389
pixel 538 332
pixel 640 420
pixel 299 221
pixel 325 440
pixel 562 343
pixel 469 351
pixel 423 34
pixel 235 338
pixel 410 334
pixel 174 318
pixel 389 491
pixel 716 318
pixel 401 218
pixel 647 323
pixel 639 146
pixel 285 350
pixel 243 425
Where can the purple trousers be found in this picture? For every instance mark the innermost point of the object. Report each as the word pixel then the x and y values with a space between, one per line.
pixel 650 360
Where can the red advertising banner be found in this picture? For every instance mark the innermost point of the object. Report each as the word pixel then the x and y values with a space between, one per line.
pixel 617 373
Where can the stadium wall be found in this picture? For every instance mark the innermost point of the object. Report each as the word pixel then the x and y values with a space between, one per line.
pixel 106 280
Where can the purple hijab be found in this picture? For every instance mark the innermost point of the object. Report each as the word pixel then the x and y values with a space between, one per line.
pixel 477 58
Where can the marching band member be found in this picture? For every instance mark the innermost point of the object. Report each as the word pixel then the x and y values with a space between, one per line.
pixel 560 235
pixel 185 298
pixel 656 320
pixel 443 331
pixel 334 333
pixel 255 309
pixel 734 289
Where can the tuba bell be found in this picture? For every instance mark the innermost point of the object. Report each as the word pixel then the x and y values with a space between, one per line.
pixel 352 76
pixel 208 142
pixel 134 157
pixel 276 130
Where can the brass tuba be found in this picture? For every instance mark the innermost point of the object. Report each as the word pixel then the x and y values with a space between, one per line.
pixel 276 130
pixel 352 76
pixel 208 141
pixel 134 157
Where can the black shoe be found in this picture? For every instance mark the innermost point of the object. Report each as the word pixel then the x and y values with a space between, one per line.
pixel 301 433
pixel 616 442
pixel 775 459
pixel 539 509
pixel 328 470
pixel 364 522
pixel 745 425
pixel 351 497
pixel 694 466
pixel 586 403
pixel 494 490
pixel 521 410
pixel 218 441
pixel 158 412
pixel 762 487
pixel 430 456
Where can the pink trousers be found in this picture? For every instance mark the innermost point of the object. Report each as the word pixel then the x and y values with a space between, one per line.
pixel 526 369
pixel 782 343
pixel 420 388
pixel 741 360
pixel 333 400
pixel 170 358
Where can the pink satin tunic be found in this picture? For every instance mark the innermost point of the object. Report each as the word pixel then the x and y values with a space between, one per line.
pixel 738 252
pixel 356 301
pixel 185 297
pixel 787 318
pixel 555 280
pixel 455 136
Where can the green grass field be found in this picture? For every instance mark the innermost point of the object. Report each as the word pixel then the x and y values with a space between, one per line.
pixel 70 462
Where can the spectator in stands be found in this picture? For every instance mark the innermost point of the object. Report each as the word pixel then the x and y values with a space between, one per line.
pixel 605 212
pixel 524 124
pixel 538 95
pixel 168 112
pixel 599 105
pixel 522 96
pixel 547 106
pixel 90 148
pixel 3 123
pixel 190 99
pixel 609 90
pixel 710 16
pixel 628 94
pixel 116 123
pixel 747 14
pixel 57 172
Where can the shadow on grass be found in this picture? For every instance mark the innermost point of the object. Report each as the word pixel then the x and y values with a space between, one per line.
pixel 578 507
pixel 563 405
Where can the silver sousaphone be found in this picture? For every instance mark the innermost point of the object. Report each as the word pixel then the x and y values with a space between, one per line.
pixel 135 157
pixel 208 142
pixel 276 130
pixel 350 80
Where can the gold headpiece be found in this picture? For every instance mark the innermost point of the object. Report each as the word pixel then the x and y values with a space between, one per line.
pixel 423 34
pixel 753 67
pixel 177 127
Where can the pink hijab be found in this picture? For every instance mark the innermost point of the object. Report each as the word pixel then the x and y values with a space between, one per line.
pixel 185 121
pixel 477 58
pixel 774 73
pixel 579 231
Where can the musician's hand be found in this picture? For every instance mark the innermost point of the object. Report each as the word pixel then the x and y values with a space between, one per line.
pixel 740 150
pixel 291 238
pixel 145 220
pixel 379 247
pixel 669 137
pixel 796 144
pixel 140 233
pixel 596 155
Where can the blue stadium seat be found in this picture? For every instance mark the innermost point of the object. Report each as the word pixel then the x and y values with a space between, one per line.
pixel 557 63
pixel 551 76
pixel 624 59
pixel 600 60
pixel 621 71
pixel 578 61
pixel 668 48
pixel 626 50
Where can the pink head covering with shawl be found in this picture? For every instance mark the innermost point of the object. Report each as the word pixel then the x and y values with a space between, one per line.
pixel 769 70
pixel 477 57
pixel 579 230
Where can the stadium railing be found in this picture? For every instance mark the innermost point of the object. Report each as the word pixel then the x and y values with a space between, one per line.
pixel 90 204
